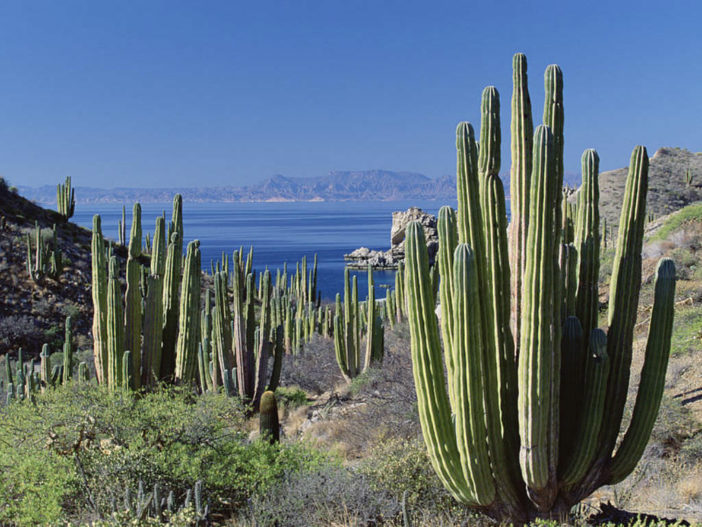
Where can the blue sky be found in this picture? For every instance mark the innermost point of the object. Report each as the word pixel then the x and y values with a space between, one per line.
pixel 176 93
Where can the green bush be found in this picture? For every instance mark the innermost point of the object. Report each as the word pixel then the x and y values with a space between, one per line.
pixel 75 451
pixel 690 213
pixel 403 466
pixel 291 397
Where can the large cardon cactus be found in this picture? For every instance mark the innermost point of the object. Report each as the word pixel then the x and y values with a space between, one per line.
pixel 526 424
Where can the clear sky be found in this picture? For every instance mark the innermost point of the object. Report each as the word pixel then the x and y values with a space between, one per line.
pixel 195 93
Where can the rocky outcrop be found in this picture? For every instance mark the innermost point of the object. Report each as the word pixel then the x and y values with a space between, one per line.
pixel 362 257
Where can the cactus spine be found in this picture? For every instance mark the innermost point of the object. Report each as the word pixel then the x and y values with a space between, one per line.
pixel 570 385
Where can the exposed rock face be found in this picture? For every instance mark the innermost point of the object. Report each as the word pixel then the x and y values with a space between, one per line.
pixel 360 258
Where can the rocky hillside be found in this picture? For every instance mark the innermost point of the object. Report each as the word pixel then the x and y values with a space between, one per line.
pixel 667 189
pixel 32 313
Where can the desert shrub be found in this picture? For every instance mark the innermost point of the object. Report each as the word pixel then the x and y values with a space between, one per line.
pixel 332 495
pixel 687 330
pixel 18 330
pixel 690 213
pixel 290 397
pixel 315 370
pixel 79 447
pixel 403 468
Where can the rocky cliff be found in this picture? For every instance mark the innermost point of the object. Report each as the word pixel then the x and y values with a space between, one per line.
pixel 362 257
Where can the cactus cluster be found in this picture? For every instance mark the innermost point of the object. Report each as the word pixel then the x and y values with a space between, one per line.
pixel 43 260
pixel 352 322
pixel 160 505
pixel 27 381
pixel 536 391
pixel 153 334
pixel 65 199
pixel 688 177
pixel 248 325
pixel 159 330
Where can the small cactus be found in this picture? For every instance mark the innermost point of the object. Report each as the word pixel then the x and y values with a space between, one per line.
pixel 65 199
pixel 269 426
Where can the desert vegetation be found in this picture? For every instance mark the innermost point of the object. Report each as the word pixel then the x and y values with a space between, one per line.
pixel 559 384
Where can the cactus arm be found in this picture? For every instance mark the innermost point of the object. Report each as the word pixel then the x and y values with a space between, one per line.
pixel 468 378
pixel 370 320
pixel 537 349
pixel 132 300
pixel 648 398
pixel 624 299
pixel 553 118
pixel 158 248
pixel 471 231
pixel 340 341
pixel 99 295
pixel 573 355
pixel 68 352
pixel 127 371
pixel 587 243
pixel 448 239
pixel 115 327
pixel 44 368
pixel 589 413
pixel 498 282
pixel 428 370
pixel 490 136
pixel 153 331
pixel 522 130
pixel 189 330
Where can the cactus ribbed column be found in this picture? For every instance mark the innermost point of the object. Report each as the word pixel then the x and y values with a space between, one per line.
pixel 581 451
pixel 624 297
pixel 587 243
pixel 435 413
pixel 448 239
pixel 115 327
pixel 370 319
pixel 490 136
pixel 537 346
pixel 648 398
pixel 189 328
pixel 99 294
pixel 522 130
pixel 158 250
pixel 132 298
pixel 153 331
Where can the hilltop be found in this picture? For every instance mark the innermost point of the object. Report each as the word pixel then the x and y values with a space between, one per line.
pixel 667 188
pixel 32 313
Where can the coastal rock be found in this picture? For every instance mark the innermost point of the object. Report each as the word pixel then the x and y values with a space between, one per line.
pixel 363 256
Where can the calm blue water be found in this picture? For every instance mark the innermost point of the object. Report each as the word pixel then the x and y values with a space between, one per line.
pixel 279 232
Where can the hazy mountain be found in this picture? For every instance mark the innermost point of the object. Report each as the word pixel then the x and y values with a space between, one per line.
pixel 335 186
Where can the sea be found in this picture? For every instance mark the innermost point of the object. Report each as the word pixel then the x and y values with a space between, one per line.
pixel 279 232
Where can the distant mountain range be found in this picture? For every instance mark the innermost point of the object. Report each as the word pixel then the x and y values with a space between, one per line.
pixel 384 185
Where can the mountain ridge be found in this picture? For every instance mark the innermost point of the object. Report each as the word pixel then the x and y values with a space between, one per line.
pixel 337 185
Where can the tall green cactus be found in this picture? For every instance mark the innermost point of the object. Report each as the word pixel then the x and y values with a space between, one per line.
pixel 68 352
pixel 189 330
pixel 115 327
pixel 132 297
pixel 529 423
pixel 65 199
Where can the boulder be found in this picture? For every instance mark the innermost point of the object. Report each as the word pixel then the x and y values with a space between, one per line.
pixel 390 259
